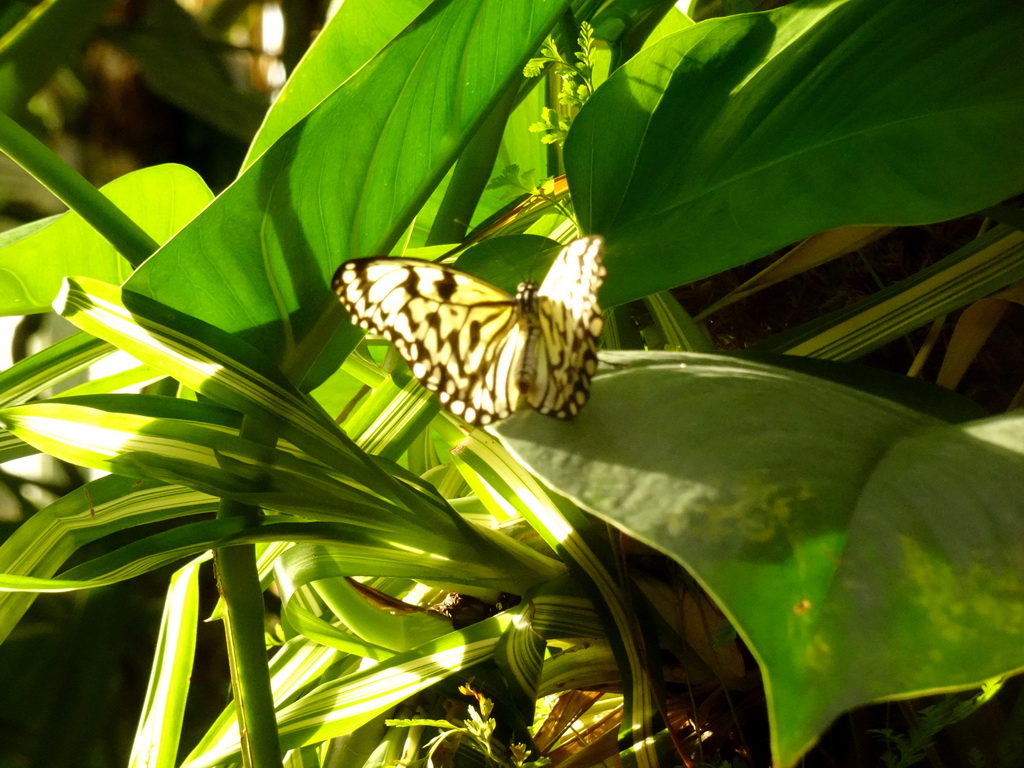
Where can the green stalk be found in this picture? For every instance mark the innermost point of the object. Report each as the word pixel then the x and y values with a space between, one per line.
pixel 553 87
pixel 247 653
pixel 471 174
pixel 239 584
pixel 74 191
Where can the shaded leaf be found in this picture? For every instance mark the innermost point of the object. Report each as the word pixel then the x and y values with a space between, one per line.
pixel 729 140
pixel 823 520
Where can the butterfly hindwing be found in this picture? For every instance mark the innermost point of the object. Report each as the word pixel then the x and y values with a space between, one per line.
pixel 570 325
pixel 471 342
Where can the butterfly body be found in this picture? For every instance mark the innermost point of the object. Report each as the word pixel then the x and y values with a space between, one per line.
pixel 480 349
pixel 529 321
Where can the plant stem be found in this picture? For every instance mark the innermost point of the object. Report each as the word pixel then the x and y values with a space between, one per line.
pixel 74 191
pixel 239 584
pixel 250 675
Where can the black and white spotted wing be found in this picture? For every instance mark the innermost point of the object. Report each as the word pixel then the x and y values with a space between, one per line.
pixel 478 348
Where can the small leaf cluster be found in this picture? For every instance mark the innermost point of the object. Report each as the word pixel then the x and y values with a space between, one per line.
pixel 905 750
pixel 519 181
pixel 577 84
pixel 516 179
pixel 478 728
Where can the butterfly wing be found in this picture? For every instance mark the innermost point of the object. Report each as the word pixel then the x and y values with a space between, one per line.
pixel 570 325
pixel 460 336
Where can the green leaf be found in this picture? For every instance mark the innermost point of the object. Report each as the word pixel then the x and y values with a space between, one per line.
pixel 357 31
pixel 354 549
pixel 520 658
pixel 505 262
pixel 236 375
pixel 983 266
pixel 739 135
pixel 339 706
pixel 392 630
pixel 11 13
pixel 680 332
pixel 345 181
pixel 156 740
pixel 297 664
pixel 161 200
pixel 491 561
pixel 41 545
pixel 203 358
pixel 72 189
pixel 27 378
pixel 584 547
pixel 196 445
pixel 822 519
pixel 386 422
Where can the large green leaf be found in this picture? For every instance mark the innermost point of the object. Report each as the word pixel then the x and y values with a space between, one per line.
pixel 739 135
pixel 346 180
pixel 824 521
pixel 161 200
pixel 357 31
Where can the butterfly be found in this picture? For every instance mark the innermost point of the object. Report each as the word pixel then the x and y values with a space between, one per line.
pixel 481 350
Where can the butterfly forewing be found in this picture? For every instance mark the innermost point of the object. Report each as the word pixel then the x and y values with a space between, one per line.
pixel 456 332
pixel 468 341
